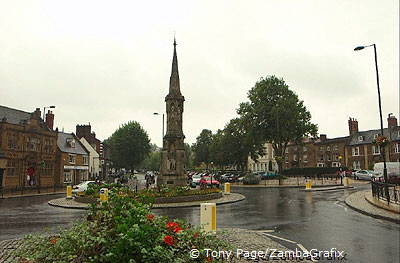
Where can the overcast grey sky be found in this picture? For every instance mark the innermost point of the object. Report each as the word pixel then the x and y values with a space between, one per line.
pixel 108 62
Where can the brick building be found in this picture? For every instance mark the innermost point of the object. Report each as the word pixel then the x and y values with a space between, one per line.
pixel 362 153
pixel 72 160
pixel 28 146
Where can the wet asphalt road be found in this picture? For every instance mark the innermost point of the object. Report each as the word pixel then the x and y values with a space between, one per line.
pixel 315 220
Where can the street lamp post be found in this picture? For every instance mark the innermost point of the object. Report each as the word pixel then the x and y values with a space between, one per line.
pixel 44 111
pixel 380 115
pixel 162 135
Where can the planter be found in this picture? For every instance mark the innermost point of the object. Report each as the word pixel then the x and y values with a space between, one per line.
pixel 85 199
pixel 188 198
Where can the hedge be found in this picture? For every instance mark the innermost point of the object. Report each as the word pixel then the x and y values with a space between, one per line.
pixel 309 171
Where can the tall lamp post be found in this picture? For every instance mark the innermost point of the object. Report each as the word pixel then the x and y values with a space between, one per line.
pixel 380 115
pixel 162 135
pixel 44 111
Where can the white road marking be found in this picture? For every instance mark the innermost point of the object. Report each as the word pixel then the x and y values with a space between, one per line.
pixel 281 238
pixel 337 203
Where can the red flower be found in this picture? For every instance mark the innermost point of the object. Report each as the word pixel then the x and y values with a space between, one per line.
pixel 168 240
pixel 196 235
pixel 209 259
pixel 150 217
pixel 53 241
pixel 172 225
pixel 177 229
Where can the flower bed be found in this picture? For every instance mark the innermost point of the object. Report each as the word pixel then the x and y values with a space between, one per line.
pixel 120 230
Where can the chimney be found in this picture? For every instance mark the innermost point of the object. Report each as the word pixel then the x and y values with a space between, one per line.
pixel 392 121
pixel 322 137
pixel 37 113
pixel 50 119
pixel 353 126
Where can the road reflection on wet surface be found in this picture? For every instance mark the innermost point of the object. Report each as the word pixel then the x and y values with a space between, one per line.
pixel 318 220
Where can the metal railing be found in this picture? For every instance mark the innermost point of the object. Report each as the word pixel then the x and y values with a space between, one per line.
pixel 379 191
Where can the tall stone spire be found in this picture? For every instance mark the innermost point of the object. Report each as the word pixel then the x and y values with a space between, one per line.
pixel 174 85
pixel 172 170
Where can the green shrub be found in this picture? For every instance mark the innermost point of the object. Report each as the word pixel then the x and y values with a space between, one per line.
pixel 120 230
pixel 311 171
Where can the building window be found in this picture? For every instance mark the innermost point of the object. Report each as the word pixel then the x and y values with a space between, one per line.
pixel 32 144
pixel 397 148
pixel 336 157
pixel 304 149
pixel 71 142
pixel 11 170
pixel 356 151
pixel 328 157
pixel 328 148
pixel 72 158
pixel 320 165
pixel 305 158
pixel 360 138
pixel 48 146
pixel 286 159
pixel 85 159
pixel 356 165
pixel 46 169
pixel 376 150
pixel 67 177
pixel 12 141
pixel 335 147
pixel 294 157
pixel 321 157
pixel 287 150
pixel 335 164
pixel 321 148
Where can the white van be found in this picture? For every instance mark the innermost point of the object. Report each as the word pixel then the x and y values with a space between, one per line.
pixel 393 168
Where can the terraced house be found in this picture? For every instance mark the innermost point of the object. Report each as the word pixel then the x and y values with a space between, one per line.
pixel 72 160
pixel 28 146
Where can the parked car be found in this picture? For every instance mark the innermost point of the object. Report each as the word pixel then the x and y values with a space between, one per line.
pixel 82 187
pixel 206 181
pixel 366 175
pixel 195 180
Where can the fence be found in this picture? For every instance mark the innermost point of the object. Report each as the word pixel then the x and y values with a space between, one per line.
pixel 379 192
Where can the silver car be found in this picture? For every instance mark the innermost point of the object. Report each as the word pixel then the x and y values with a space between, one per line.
pixel 366 175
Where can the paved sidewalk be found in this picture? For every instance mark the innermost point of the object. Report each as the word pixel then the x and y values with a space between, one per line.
pixel 31 193
pixel 225 199
pixel 237 238
pixel 358 202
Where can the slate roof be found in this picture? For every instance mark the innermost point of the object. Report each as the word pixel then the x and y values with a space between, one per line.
pixel 337 139
pixel 64 147
pixel 368 136
pixel 13 116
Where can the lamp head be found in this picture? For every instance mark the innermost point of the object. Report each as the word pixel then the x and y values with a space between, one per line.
pixel 155 113
pixel 359 48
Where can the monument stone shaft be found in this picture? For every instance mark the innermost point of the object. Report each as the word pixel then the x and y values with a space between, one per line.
pixel 173 153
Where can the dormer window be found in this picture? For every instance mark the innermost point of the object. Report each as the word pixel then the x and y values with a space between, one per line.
pixel 360 138
pixel 71 143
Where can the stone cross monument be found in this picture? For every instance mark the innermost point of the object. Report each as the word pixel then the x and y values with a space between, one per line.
pixel 172 171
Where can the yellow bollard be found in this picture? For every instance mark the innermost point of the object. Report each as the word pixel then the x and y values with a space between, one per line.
pixel 227 188
pixel 104 194
pixel 208 217
pixel 69 192
pixel 308 185
pixel 346 181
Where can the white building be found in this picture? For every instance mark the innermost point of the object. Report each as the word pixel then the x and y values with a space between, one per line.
pixel 94 160
pixel 262 163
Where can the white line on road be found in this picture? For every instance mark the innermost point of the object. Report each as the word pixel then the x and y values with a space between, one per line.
pixel 337 203
pixel 281 238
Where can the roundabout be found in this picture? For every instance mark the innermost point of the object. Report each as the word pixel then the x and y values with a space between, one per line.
pixel 189 202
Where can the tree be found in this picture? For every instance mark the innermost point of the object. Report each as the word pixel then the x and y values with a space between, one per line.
pixel 238 142
pixel 276 115
pixel 188 156
pixel 201 148
pixel 152 161
pixel 129 145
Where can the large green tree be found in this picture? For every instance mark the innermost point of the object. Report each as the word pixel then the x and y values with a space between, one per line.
pixel 152 161
pixel 275 114
pixel 129 145
pixel 201 147
pixel 238 143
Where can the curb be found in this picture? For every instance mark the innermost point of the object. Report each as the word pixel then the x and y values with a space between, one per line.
pixel 397 221
pixel 328 190
pixel 237 198
pixel 282 186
